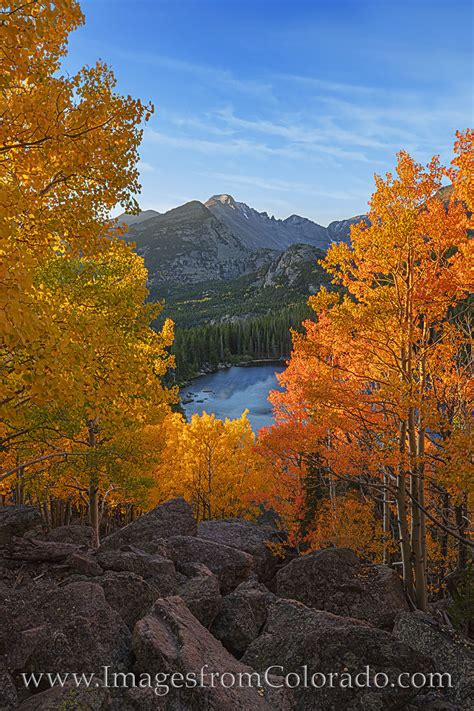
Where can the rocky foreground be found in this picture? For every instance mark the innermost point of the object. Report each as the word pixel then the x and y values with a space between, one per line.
pixel 165 595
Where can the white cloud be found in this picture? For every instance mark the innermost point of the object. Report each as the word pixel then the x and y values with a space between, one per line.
pixel 297 142
pixel 316 139
pixel 203 73
pixel 285 186
pixel 329 86
pixel 234 146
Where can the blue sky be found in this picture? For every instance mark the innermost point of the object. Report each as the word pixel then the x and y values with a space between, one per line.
pixel 288 105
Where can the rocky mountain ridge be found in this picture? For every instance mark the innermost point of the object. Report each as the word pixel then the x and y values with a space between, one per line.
pixel 190 245
pixel 221 242
pixel 257 230
pixel 340 230
pixel 296 267
pixel 224 239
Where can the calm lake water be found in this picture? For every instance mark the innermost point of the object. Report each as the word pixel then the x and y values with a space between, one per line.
pixel 227 393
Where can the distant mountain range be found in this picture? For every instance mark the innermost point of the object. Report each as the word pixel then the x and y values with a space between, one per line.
pixel 218 250
pixel 221 238
pixel 189 244
pixel 257 230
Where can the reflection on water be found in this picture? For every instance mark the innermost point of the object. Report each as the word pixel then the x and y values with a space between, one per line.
pixel 229 392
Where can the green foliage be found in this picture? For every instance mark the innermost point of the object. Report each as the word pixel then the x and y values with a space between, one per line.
pixel 462 607
pixel 263 337
pixel 189 305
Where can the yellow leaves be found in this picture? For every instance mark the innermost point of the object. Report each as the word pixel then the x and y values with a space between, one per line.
pixel 212 463
pixel 34 36
pixel 348 522
pixel 167 332
pixel 98 355
pixel 323 300
pixel 76 326
pixel 338 258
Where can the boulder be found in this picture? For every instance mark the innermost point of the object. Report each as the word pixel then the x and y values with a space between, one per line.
pixel 253 538
pixel 35 550
pixel 394 598
pixel 8 695
pixel 432 701
pixel 296 636
pixel 335 580
pixel 172 518
pixel 68 698
pixel 155 568
pixel 451 653
pixel 200 591
pixel 171 640
pixel 79 535
pixel 141 699
pixel 87 632
pixel 16 521
pixel 15 574
pixel 83 563
pixel 129 594
pixel 230 565
pixel 242 616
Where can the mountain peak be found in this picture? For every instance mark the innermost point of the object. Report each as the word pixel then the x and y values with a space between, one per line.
pixel 192 210
pixel 142 216
pixel 295 219
pixel 224 199
pixel 257 230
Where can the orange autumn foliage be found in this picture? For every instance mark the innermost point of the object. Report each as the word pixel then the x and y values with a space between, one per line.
pixel 377 388
pixel 212 464
pixel 462 170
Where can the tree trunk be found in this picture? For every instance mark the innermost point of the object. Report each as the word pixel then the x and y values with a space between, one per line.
pixel 420 466
pixel 402 518
pixel 460 512
pixel 93 487
pixel 444 534
pixel 416 516
pixel 422 594
pixel 94 514
pixel 387 529
pixel 19 490
pixel 46 516
pixel 69 513
pixel 406 542
pixel 209 489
